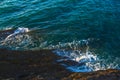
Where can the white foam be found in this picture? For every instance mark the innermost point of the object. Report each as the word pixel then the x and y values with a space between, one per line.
pixel 74 45
pixel 86 62
pixel 18 39
pixel 21 30
pixel 87 58
pixel 18 31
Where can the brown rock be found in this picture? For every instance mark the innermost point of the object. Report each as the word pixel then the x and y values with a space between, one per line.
pixel 42 65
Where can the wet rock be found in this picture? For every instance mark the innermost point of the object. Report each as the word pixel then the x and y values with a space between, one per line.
pixel 42 65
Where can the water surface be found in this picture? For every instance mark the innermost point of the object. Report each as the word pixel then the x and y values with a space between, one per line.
pixel 62 25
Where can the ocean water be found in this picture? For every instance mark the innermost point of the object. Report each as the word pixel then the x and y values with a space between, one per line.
pixel 86 32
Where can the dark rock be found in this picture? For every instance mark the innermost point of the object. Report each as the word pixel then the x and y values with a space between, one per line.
pixel 41 65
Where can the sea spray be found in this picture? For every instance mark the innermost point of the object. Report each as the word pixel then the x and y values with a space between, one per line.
pixel 17 32
pixel 84 61
pixel 17 39
pixel 78 54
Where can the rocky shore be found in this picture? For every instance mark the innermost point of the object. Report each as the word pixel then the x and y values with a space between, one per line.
pixel 42 65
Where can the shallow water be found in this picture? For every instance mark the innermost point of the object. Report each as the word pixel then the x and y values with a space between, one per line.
pixel 62 25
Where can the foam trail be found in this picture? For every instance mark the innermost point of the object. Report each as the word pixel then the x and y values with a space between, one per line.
pixel 79 53
pixel 18 31
pixel 79 58
pixel 83 60
pixel 76 61
pixel 18 39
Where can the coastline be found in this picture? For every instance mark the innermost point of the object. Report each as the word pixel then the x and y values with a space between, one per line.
pixel 59 40
pixel 42 65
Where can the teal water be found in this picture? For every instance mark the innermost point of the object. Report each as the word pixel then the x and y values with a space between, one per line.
pixel 61 24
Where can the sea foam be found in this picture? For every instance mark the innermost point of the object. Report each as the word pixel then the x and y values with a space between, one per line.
pixel 77 60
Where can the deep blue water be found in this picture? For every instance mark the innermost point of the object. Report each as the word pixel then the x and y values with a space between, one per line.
pixel 56 24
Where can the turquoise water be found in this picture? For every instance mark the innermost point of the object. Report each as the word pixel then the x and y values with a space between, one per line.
pixel 62 24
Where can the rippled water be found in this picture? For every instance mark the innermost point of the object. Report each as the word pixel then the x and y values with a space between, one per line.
pixel 63 24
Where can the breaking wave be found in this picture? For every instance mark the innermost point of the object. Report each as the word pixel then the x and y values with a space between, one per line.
pixel 77 56
pixel 76 61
